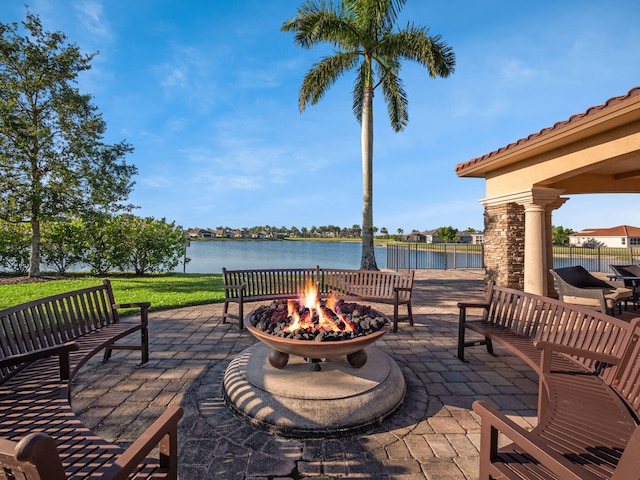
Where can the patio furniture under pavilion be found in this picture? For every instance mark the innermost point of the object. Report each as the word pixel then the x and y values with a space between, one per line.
pixel 597 151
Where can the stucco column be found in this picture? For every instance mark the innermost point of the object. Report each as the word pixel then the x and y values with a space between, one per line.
pixel 535 251
pixel 538 203
pixel 548 225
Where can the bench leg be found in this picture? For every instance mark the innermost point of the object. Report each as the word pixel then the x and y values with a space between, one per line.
pixel 461 331
pixel 225 310
pixel 144 336
pixel 395 317
pixel 489 345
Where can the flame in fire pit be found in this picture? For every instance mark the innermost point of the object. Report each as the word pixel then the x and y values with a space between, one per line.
pixel 308 313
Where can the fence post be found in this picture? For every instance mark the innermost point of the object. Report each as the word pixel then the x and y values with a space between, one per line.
pixel 455 250
pixel 598 269
pixel 445 256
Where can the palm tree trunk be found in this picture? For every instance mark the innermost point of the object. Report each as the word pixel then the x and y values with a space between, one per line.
pixel 368 260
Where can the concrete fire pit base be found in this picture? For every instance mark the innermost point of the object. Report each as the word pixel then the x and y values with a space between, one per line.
pixel 300 401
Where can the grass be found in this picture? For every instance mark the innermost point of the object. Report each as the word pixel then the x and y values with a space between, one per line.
pixel 163 291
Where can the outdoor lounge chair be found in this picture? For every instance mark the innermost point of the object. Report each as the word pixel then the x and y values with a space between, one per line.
pixel 577 286
pixel 630 275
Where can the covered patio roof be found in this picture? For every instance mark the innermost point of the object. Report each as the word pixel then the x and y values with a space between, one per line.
pixel 597 151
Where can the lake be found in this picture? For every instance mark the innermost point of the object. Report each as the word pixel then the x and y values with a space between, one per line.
pixel 211 256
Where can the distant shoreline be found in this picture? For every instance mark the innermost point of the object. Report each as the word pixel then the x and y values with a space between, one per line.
pixel 380 242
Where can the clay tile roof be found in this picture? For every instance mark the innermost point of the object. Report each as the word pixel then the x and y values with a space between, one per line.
pixel 634 92
pixel 619 231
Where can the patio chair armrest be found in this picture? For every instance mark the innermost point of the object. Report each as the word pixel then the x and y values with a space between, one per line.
pixel 494 422
pixel 62 351
pixel 548 348
pixel 162 432
pixel 466 305
pixel 143 306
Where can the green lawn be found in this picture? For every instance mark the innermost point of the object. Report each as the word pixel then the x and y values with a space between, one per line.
pixel 163 291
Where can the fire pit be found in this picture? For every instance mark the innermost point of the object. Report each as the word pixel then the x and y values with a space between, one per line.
pixel 316 329
pixel 340 397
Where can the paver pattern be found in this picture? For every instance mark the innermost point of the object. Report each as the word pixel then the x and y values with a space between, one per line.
pixel 434 435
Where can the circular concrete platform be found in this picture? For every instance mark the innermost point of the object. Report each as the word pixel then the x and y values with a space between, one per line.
pixel 299 401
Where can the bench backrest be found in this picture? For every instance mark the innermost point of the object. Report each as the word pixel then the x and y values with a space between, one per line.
pixel 554 321
pixel 54 320
pixel 627 380
pixel 265 282
pixel 367 283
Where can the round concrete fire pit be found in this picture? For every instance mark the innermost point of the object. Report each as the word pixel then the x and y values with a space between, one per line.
pixel 300 402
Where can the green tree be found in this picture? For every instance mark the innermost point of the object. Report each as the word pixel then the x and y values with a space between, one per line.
pixel 62 244
pixel 146 244
pixel 14 247
pixel 53 162
pixel 98 244
pixel 560 235
pixel 363 35
pixel 448 234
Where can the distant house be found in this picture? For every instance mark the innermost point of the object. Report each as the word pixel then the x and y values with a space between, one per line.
pixel 415 237
pixel 621 236
pixel 474 238
pixel 431 236
pixel 200 233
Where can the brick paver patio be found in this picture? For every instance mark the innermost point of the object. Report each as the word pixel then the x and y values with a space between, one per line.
pixel 435 435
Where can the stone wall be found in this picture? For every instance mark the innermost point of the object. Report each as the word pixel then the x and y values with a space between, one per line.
pixel 504 244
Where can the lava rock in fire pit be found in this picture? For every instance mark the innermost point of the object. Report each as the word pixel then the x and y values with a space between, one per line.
pixel 343 321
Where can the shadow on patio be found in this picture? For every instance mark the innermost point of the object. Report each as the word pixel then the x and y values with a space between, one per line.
pixel 434 435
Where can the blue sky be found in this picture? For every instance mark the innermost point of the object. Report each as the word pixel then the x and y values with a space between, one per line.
pixel 206 92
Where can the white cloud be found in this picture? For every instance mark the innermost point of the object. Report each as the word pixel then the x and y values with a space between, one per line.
pixel 91 16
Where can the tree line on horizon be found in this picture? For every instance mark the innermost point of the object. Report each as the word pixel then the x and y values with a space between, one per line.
pixel 447 233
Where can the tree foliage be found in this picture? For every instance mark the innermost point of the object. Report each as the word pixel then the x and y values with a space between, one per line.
pixel 103 244
pixel 365 40
pixel 448 234
pixel 62 244
pixel 53 161
pixel 14 248
pixel 560 235
pixel 147 245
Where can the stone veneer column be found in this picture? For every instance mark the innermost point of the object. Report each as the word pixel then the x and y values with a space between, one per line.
pixel 504 244
pixel 518 238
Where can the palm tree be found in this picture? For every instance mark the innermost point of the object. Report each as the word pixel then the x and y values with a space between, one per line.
pixel 362 33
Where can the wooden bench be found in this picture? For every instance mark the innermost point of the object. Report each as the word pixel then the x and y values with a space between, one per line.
pixel 393 288
pixel 589 389
pixel 43 343
pixel 244 286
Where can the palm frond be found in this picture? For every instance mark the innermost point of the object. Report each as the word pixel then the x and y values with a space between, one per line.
pixel 323 75
pixel 358 91
pixel 414 43
pixel 394 94
pixel 375 17
pixel 318 22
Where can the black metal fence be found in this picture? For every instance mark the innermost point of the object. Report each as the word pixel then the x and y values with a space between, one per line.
pixel 443 256
pixel 596 259
pixel 439 256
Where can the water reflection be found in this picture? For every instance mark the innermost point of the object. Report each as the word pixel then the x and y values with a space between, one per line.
pixel 211 256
